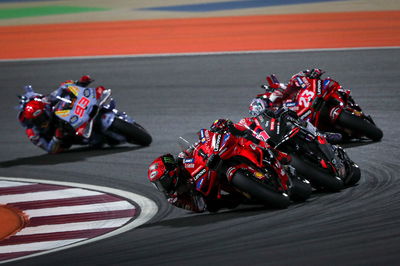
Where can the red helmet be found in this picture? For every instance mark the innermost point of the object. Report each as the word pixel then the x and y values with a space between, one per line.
pixel 163 173
pixel 84 81
pixel 34 112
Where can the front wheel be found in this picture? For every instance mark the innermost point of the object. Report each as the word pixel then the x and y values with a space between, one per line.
pixel 354 176
pixel 360 126
pixel 133 132
pixel 259 191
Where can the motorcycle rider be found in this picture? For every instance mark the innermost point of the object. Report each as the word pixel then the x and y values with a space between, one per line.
pixel 41 125
pixel 281 92
pixel 169 175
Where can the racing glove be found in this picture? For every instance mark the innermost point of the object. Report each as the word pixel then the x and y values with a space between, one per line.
pixel 314 73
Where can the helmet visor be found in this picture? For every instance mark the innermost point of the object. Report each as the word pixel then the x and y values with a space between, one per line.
pixel 167 183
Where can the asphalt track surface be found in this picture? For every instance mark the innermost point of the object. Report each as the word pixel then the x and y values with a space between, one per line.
pixel 176 96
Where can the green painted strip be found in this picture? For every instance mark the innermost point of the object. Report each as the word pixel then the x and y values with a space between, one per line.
pixel 7 13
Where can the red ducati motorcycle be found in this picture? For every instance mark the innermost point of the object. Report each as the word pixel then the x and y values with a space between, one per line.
pixel 226 164
pixel 329 107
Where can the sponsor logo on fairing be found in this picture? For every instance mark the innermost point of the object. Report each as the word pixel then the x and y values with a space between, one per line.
pixel 325 84
pixel 272 127
pixel 189 165
pixel 198 185
pixel 73 89
pixel 217 143
pixel 319 87
pixel 86 92
pixel 226 137
pixel 73 119
pixel 202 136
pixel 305 115
pixel 191 160
pixel 290 104
pixel 199 174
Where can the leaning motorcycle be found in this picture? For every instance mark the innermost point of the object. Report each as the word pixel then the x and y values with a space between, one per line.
pixel 326 166
pixel 223 163
pixel 329 107
pixel 90 116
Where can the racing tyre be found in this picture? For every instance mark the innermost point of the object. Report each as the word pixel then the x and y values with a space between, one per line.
pixel 260 191
pixel 317 176
pixel 300 190
pixel 355 176
pixel 133 132
pixel 360 125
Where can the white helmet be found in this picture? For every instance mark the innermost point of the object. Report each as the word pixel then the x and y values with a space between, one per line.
pixel 257 107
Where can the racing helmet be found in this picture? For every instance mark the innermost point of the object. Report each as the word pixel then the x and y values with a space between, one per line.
pixel 34 113
pixel 163 173
pixel 220 125
pixel 257 107
pixel 84 81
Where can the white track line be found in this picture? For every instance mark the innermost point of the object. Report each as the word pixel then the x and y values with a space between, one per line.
pixel 57 228
pixel 38 245
pixel 147 206
pixel 13 184
pixel 198 54
pixel 88 208
pixel 44 195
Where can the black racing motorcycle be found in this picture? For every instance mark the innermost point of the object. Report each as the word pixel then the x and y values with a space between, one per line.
pixel 326 166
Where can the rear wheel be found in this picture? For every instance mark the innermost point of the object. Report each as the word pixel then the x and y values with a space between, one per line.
pixel 133 132
pixel 354 177
pixel 317 176
pixel 360 125
pixel 259 191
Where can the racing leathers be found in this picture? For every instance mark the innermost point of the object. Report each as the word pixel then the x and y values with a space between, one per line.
pixel 187 197
pixel 280 92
